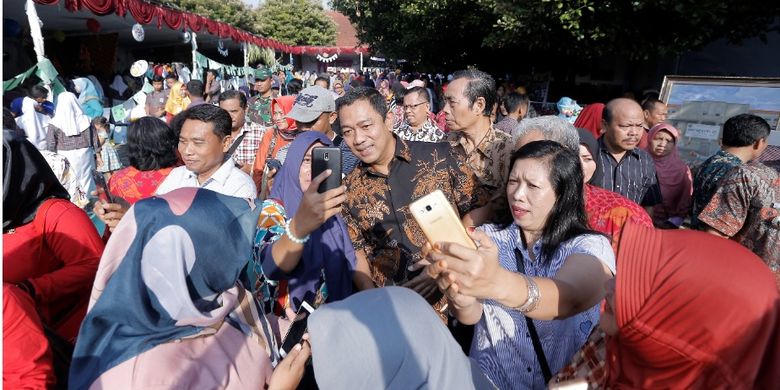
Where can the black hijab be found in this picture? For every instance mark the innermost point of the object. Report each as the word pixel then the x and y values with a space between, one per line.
pixel 587 139
pixel 27 181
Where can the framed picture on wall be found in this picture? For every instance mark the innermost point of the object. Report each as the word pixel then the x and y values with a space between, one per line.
pixel 699 106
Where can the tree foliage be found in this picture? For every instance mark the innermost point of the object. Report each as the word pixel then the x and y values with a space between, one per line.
pixel 233 12
pixel 460 32
pixel 296 22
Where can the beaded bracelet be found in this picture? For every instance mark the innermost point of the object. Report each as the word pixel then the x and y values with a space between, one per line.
pixel 533 296
pixel 291 236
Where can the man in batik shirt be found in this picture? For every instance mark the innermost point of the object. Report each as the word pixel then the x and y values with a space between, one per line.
pixel 417 124
pixel 392 174
pixel 744 139
pixel 746 208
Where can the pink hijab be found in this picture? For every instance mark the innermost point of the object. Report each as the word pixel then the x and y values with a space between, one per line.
pixel 674 177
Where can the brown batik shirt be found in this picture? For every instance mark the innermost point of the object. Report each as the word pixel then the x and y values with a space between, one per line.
pixel 377 207
pixel 489 161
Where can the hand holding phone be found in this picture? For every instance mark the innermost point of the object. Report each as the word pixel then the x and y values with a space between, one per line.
pixel 439 221
pixel 316 208
pixel 101 187
pixel 297 329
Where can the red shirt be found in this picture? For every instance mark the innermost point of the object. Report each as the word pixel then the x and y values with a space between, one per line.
pixel 133 185
pixel 608 211
pixel 27 360
pixel 59 255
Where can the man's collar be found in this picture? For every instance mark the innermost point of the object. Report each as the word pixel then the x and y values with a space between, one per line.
pixel 220 175
pixel 603 148
pixel 402 149
pixel 457 138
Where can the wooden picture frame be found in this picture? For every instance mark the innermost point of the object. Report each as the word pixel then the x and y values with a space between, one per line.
pixel 700 105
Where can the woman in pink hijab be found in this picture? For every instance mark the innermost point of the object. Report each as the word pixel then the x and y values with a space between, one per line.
pixel 674 177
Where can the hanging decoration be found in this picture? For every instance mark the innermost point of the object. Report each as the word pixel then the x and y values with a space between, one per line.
pixel 327 58
pixel 138 32
pixel 186 37
pixel 221 49
pixel 93 25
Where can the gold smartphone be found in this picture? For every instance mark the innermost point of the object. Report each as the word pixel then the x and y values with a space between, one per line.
pixel 439 221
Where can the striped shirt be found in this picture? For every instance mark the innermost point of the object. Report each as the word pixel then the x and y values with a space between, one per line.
pixel 502 345
pixel 633 176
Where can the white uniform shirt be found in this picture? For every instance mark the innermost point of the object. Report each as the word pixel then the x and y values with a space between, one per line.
pixel 227 180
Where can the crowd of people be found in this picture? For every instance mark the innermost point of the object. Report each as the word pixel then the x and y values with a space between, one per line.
pixel 600 256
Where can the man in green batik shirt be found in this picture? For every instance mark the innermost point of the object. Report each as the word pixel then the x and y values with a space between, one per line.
pixel 259 106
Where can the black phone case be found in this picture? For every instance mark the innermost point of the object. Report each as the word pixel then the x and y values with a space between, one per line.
pixel 100 183
pixel 326 158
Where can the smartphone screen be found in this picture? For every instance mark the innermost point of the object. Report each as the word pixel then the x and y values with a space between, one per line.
pixel 101 187
pixel 297 329
pixel 326 158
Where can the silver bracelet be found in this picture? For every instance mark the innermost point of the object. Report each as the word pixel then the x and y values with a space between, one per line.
pixel 291 236
pixel 533 296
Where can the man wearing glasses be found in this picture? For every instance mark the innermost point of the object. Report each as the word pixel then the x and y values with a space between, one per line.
pixel 417 124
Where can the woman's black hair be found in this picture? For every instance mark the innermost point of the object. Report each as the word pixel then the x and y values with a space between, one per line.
pixel 568 218
pixel 151 144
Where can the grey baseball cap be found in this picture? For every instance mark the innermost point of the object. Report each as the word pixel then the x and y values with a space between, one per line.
pixel 311 103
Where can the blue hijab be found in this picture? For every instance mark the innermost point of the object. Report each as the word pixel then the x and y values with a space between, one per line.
pixel 329 248
pixel 164 275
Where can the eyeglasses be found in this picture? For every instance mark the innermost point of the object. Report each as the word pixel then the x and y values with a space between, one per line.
pixel 413 106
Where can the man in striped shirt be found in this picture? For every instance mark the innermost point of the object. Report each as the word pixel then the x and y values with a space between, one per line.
pixel 625 168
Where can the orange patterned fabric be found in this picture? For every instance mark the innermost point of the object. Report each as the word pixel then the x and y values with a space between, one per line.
pixel 133 185
pixel 609 211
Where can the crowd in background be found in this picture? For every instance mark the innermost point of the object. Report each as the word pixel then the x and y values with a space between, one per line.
pixel 599 255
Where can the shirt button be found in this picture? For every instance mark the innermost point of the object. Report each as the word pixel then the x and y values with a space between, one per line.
pixel 527 335
pixel 529 369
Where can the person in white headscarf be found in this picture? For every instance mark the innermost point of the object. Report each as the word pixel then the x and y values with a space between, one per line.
pixel 89 97
pixel 32 120
pixel 70 135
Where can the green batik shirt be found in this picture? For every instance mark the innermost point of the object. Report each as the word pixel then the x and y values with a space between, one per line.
pixel 259 111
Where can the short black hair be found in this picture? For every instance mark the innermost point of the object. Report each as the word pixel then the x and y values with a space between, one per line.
pixel 481 85
pixel 219 118
pixel 233 94
pixel 419 90
pixel 195 87
pixel 325 79
pixel 514 100
pixel 568 218
pixel 294 87
pixel 100 121
pixel 157 79
pixel 369 94
pixel 151 144
pixel 744 130
pixel 649 104
pixel 212 71
pixel 171 76
pixel 39 92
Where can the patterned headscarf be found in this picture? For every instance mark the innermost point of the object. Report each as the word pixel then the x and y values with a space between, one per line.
pixel 166 275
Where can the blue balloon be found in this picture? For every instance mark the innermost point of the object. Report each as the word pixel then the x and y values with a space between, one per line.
pixel 11 28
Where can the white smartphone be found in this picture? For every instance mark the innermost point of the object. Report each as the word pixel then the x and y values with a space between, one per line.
pixel 439 221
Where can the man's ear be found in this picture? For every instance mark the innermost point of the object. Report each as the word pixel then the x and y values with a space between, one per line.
pixel 226 142
pixel 479 105
pixel 332 118
pixel 389 119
